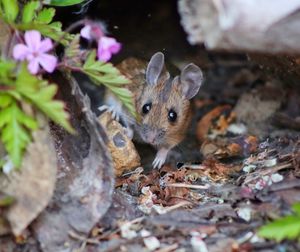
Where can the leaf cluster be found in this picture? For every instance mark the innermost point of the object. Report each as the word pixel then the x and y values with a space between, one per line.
pixel 32 16
pixel 287 227
pixel 20 89
pixel 108 75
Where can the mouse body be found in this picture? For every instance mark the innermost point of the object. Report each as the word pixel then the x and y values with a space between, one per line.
pixel 162 102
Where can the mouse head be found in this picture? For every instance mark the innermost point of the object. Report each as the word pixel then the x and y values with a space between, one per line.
pixel 164 104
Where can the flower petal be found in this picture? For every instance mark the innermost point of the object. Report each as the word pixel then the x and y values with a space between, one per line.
pixel 107 42
pixel 46 45
pixel 85 32
pixel 104 56
pixel 20 52
pixel 103 53
pixel 106 47
pixel 48 62
pixel 33 40
pixel 33 66
pixel 115 48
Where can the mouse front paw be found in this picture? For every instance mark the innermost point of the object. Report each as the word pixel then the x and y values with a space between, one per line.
pixel 160 158
pixel 114 113
pixel 129 132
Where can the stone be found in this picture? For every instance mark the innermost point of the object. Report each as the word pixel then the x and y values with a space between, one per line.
pixel 124 154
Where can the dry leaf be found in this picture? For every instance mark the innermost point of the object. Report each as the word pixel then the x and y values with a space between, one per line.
pixel 32 186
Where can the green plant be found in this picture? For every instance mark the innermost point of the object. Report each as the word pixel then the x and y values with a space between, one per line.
pixel 23 86
pixel 287 227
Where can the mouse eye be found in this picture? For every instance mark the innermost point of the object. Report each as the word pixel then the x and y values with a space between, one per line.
pixel 172 115
pixel 146 108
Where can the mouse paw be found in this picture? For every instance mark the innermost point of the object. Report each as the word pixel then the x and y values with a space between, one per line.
pixel 160 158
pixel 114 113
pixel 129 132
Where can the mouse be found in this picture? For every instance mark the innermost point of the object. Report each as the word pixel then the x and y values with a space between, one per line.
pixel 162 103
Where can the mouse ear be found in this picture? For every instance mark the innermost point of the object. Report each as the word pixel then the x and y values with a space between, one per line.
pixel 191 79
pixel 154 68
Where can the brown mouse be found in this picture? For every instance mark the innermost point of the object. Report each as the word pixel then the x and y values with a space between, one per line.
pixel 162 103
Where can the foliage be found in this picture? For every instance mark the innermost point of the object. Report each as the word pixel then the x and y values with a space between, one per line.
pixel 287 227
pixel 15 124
pixel 63 2
pixel 9 10
pixel 22 94
pixel 6 200
pixel 108 75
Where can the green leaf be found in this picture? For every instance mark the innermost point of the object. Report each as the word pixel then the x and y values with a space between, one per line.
pixel 45 16
pixel 72 52
pixel 5 100
pixel 29 11
pixel 44 100
pixel 90 60
pixel 296 208
pixel 108 75
pixel 15 125
pixel 287 227
pixel 26 82
pixel 14 133
pixel 11 9
pixel 55 32
pixel 108 79
pixel 52 30
pixel 41 94
pixel 62 2
pixel 104 73
pixel 6 200
pixel 6 67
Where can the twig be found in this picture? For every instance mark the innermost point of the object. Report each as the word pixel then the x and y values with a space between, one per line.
pixel 193 166
pixel 168 248
pixel 178 205
pixel 68 30
pixel 105 235
pixel 188 186
pixel 258 174
pixel 76 236
pixel 8 46
pixel 6 88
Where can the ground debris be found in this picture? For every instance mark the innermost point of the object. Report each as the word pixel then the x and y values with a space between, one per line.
pixel 219 203
pixel 32 187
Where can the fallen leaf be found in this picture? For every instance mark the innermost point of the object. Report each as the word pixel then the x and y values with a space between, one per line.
pixel 206 122
pixel 32 186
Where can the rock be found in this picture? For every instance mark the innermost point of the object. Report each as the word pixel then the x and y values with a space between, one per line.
pixel 32 186
pixel 255 108
pixel 84 181
pixel 124 154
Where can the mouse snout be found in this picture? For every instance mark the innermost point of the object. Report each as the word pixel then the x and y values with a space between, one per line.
pixel 152 136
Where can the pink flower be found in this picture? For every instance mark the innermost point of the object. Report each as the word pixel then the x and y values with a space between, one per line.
pixel 92 31
pixel 34 51
pixel 106 47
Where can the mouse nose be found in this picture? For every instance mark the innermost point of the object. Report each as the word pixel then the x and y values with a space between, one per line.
pixel 150 137
pixel 153 136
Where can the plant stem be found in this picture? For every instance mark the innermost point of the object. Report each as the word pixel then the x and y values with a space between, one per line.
pixel 72 68
pixel 68 30
pixel 5 88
